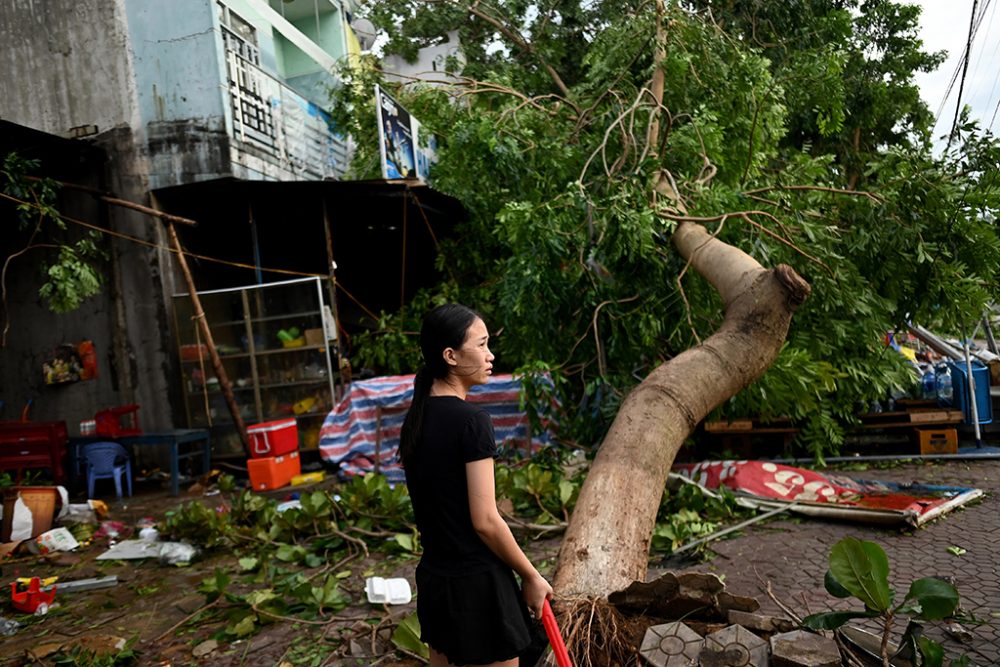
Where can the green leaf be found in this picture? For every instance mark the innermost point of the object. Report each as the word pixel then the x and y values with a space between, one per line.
pixel 831 620
pixel 932 652
pixel 936 597
pixel 407 637
pixel 245 627
pixel 249 564
pixel 833 586
pixel 862 568
pixel 957 551
pixel 258 597
pixel 404 540
pixel 566 489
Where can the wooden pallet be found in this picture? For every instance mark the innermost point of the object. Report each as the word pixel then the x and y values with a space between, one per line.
pixel 916 416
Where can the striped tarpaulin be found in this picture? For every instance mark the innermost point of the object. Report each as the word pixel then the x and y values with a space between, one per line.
pixel 370 416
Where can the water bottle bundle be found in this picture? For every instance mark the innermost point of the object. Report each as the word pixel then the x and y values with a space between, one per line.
pixel 936 384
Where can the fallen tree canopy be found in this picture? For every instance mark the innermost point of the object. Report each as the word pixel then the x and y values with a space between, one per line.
pixel 581 134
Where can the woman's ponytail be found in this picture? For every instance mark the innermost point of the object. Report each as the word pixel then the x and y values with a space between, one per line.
pixel 445 326
pixel 414 421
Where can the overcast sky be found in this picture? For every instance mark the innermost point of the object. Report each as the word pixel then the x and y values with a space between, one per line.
pixel 945 26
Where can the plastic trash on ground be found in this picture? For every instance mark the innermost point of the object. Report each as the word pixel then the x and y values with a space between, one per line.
pixel 57 539
pixel 8 627
pixel 173 553
pixel 287 505
pixel 170 553
pixel 387 591
pixel 34 600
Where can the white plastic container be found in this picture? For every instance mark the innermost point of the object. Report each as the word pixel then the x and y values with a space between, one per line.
pixel 388 591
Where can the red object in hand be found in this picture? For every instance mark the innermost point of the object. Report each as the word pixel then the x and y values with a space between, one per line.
pixel 555 639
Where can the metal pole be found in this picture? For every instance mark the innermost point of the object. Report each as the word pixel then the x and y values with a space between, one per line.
pixel 972 394
pixel 990 341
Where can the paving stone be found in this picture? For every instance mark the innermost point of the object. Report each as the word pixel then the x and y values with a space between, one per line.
pixel 803 649
pixel 760 622
pixel 671 645
pixel 793 556
pixel 727 601
pixel 734 646
pixel 690 594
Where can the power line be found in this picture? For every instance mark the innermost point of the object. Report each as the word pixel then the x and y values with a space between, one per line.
pixel 973 26
pixel 964 60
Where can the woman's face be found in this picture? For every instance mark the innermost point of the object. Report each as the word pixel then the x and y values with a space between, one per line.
pixel 472 363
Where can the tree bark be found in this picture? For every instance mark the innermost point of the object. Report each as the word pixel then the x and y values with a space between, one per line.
pixel 606 546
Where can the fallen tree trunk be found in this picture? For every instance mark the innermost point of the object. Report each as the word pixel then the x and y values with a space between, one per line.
pixel 606 546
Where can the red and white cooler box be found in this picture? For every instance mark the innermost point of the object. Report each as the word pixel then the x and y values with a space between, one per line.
pixel 273 472
pixel 274 450
pixel 273 438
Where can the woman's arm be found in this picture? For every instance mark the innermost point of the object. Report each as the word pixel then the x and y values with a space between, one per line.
pixel 495 532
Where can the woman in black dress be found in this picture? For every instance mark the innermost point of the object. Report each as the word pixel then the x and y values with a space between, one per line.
pixel 470 608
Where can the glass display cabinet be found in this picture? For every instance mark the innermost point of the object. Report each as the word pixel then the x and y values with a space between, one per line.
pixel 277 342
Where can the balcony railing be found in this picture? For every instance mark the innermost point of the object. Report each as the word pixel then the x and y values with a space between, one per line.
pixel 270 118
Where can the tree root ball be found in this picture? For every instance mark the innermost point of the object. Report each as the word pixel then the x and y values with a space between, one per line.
pixel 598 635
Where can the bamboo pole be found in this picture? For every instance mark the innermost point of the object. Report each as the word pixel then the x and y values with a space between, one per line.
pixel 105 197
pixel 206 332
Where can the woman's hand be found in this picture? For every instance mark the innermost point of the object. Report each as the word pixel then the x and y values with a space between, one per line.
pixel 536 591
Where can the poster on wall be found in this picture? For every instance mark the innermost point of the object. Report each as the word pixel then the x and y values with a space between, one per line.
pixel 425 148
pixel 396 140
pixel 404 151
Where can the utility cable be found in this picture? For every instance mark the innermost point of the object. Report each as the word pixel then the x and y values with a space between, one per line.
pixel 216 260
pixel 973 26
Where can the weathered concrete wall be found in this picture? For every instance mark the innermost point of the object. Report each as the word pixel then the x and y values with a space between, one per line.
pixel 127 321
pixel 142 277
pixel 180 79
pixel 65 63
pixel 430 63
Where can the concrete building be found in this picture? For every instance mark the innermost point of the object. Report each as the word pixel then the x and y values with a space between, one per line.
pixel 127 97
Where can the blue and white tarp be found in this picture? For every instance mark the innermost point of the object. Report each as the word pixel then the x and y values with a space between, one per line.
pixel 361 433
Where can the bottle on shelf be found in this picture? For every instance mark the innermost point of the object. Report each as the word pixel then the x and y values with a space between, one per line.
pixel 928 384
pixel 945 390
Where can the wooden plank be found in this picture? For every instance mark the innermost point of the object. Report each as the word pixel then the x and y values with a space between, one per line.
pixel 936 416
pixel 738 425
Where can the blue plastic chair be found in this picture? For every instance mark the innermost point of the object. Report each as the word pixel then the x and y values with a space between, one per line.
pixel 107 460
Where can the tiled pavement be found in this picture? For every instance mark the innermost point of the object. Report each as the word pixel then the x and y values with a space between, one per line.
pixel 792 555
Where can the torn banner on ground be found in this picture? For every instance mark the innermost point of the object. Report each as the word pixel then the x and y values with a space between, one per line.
pixel 767 485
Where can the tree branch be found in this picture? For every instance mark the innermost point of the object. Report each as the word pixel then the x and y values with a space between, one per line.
pixel 819 188
pixel 527 47
pixel 745 215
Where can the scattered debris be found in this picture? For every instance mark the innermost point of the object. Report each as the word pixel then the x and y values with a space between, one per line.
pixel 801 648
pixel 57 539
pixel 8 627
pixel 99 645
pixel 33 600
pixel 672 596
pixel 766 485
pixel 760 623
pixel 204 648
pixel 171 553
pixel 387 591
pixel 81 585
